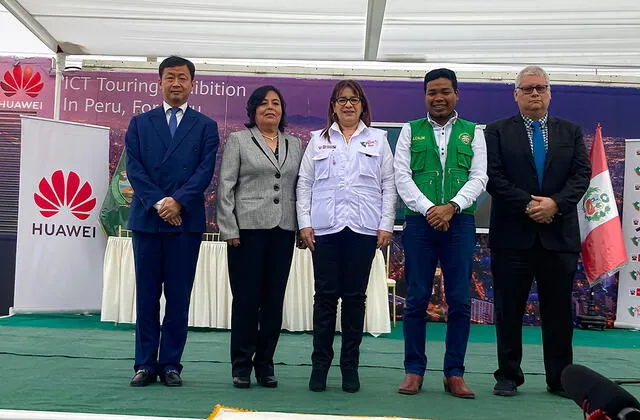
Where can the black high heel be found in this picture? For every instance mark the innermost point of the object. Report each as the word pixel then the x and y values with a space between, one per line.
pixel 241 381
pixel 350 381
pixel 318 380
pixel 267 381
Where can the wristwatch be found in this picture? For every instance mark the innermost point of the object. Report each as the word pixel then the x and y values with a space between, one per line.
pixel 456 207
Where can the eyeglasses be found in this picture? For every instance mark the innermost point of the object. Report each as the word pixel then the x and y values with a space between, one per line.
pixel 529 89
pixel 342 100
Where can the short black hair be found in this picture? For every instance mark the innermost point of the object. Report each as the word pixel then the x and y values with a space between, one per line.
pixel 175 61
pixel 437 74
pixel 256 99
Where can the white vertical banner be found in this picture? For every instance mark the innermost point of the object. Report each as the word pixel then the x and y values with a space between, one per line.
pixel 628 312
pixel 64 171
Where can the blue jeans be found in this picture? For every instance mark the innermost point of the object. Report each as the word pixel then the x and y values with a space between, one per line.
pixel 423 248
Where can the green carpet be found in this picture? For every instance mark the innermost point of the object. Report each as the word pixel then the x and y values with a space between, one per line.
pixel 77 364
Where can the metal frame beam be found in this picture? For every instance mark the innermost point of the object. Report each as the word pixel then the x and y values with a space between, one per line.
pixel 375 16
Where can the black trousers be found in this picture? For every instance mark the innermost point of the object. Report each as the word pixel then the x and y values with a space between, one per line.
pixel 258 273
pixel 341 267
pixel 513 273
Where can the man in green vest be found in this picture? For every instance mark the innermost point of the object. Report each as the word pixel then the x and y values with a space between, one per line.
pixel 440 170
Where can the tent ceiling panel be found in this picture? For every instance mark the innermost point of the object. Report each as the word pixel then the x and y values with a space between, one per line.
pixel 550 32
pixel 567 32
pixel 217 29
pixel 203 39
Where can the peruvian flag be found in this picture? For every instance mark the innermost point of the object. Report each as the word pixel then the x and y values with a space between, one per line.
pixel 603 252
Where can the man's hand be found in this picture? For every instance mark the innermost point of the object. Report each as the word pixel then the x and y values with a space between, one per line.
pixel 438 217
pixel 170 209
pixel 174 221
pixel 542 209
pixel 234 242
pixel 384 238
pixel 443 227
pixel 306 235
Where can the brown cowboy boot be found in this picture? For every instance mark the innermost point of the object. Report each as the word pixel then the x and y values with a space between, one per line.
pixel 411 384
pixel 455 386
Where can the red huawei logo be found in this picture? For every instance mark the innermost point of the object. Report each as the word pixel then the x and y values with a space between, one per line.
pixel 20 79
pixel 57 193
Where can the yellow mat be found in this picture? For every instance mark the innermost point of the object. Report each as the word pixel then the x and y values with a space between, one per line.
pixel 221 412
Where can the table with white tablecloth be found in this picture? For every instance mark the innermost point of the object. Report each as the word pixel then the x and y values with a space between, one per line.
pixel 211 296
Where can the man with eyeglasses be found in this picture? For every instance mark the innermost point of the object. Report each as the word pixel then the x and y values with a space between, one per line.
pixel 440 170
pixel 538 170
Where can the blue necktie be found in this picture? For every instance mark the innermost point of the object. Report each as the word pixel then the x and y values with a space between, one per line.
pixel 173 121
pixel 539 153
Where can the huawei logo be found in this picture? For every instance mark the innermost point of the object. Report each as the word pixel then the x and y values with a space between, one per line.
pixel 57 193
pixel 18 79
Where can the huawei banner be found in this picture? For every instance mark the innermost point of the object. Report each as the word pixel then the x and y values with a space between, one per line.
pixel 628 314
pixel 60 246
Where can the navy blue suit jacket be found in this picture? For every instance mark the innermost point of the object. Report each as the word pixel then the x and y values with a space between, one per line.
pixel 158 166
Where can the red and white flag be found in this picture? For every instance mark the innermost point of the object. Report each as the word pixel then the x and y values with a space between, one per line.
pixel 603 251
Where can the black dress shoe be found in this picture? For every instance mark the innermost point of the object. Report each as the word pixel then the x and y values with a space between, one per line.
pixel 143 377
pixel 171 378
pixel 505 388
pixel 267 381
pixel 350 381
pixel 318 380
pixel 241 381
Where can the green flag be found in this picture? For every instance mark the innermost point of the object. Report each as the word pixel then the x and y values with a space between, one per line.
pixel 115 208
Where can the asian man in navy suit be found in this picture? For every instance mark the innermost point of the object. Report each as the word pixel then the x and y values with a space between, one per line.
pixel 171 154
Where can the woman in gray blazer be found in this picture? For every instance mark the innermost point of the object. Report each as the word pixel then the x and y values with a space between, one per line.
pixel 256 214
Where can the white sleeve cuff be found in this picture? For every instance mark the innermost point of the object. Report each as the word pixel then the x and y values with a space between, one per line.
pixel 304 221
pixel 386 225
pixel 424 205
pixel 461 202
pixel 159 203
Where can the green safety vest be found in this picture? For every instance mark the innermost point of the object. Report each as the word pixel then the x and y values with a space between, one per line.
pixel 426 168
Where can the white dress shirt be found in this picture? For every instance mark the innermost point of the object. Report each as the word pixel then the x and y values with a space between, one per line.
pixel 344 184
pixel 470 191
pixel 179 115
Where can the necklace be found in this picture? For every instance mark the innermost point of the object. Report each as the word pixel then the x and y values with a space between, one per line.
pixel 274 138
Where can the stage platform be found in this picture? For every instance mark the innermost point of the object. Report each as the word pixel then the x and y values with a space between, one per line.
pixel 75 363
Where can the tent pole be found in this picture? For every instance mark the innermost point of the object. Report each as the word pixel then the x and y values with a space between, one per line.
pixel 61 60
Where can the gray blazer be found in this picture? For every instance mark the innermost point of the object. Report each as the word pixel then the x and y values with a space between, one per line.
pixel 255 191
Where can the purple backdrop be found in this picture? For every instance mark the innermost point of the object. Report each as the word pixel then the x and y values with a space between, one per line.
pixel 27 86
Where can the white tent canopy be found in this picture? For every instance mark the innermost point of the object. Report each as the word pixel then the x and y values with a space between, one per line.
pixel 566 33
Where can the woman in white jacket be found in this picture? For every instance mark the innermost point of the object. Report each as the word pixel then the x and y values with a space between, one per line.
pixel 346 206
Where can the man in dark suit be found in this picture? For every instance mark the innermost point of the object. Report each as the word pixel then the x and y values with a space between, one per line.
pixel 538 170
pixel 171 154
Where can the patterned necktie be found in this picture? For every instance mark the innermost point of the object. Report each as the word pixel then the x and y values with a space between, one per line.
pixel 539 152
pixel 173 121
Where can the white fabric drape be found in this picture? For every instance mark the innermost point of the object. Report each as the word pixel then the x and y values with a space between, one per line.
pixel 211 296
